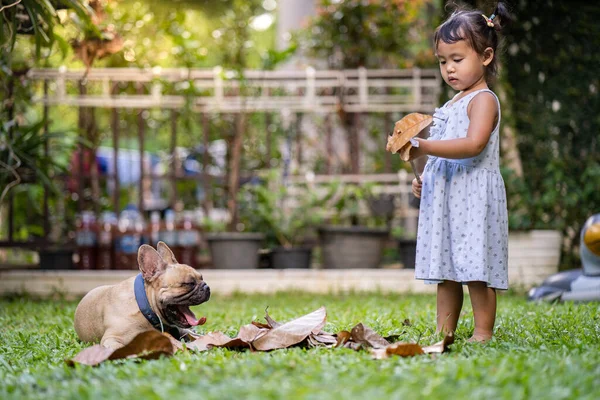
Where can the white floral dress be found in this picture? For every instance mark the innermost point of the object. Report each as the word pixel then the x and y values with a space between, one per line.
pixel 463 220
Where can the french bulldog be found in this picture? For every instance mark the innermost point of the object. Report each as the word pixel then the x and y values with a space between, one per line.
pixel 114 315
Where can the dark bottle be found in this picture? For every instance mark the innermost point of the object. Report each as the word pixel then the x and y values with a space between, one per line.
pixel 154 228
pixel 86 240
pixel 187 240
pixel 107 229
pixel 168 232
pixel 130 237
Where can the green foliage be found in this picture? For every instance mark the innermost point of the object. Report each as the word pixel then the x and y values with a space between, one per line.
pixel 234 35
pixel 272 58
pixel 158 34
pixel 22 142
pixel 24 154
pixel 37 18
pixel 398 232
pixel 350 205
pixel 213 225
pixel 540 351
pixel 551 67
pixel 264 208
pixel 25 169
pixel 178 33
pixel 356 33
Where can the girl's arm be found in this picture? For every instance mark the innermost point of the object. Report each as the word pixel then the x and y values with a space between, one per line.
pixel 482 115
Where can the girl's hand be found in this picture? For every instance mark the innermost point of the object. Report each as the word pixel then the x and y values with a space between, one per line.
pixel 416 188
pixel 416 152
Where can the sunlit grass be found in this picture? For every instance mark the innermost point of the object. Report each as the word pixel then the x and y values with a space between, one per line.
pixel 540 351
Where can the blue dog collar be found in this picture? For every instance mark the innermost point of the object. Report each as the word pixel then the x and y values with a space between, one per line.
pixel 139 288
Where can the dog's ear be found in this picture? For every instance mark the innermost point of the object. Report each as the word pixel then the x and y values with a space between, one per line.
pixel 150 262
pixel 166 253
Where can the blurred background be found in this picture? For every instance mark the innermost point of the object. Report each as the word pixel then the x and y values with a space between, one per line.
pixel 128 122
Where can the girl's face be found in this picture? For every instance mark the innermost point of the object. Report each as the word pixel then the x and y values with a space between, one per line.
pixel 461 67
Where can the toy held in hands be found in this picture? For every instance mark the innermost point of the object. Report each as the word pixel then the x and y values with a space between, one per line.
pixel 404 130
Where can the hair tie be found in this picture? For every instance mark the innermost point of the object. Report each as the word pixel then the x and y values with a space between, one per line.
pixel 490 20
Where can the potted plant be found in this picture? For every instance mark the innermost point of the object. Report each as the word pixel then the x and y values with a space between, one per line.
pixel 288 220
pixel 232 249
pixel 351 240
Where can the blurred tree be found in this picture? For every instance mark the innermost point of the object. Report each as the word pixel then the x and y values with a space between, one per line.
pixel 551 73
pixel 372 34
pixel 550 88
pixel 99 40
pixel 234 42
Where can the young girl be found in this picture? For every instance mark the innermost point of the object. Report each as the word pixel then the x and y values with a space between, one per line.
pixel 463 223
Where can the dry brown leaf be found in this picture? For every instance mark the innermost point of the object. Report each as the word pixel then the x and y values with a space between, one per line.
pixel 353 345
pixel 404 130
pixel 398 349
pixel 216 339
pixel 249 333
pixel 366 336
pixel 198 345
pixel 177 345
pixel 146 345
pixel 413 349
pixel 306 330
pixel 405 151
pixel 272 323
pixel 258 337
pixel 404 349
pixel 342 338
pixel 311 341
pixel 292 332
pixel 324 339
pixel 261 325
pixel 93 355
pixel 441 346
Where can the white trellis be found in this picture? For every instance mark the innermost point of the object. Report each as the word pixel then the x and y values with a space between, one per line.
pixel 309 90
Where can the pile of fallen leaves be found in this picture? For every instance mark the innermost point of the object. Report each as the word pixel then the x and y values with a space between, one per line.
pixel 305 331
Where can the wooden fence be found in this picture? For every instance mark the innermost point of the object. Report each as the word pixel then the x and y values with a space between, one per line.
pixel 218 91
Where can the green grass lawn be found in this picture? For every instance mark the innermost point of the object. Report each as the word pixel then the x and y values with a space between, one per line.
pixel 540 351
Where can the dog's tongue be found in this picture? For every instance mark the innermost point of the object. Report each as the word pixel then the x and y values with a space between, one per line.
pixel 190 317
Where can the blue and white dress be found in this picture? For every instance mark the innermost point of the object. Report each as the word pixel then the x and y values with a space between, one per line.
pixel 463 220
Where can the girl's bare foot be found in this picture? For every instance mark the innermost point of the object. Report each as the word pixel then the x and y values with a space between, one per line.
pixel 479 338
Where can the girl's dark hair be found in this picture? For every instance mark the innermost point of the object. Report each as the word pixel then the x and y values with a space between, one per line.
pixel 471 26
